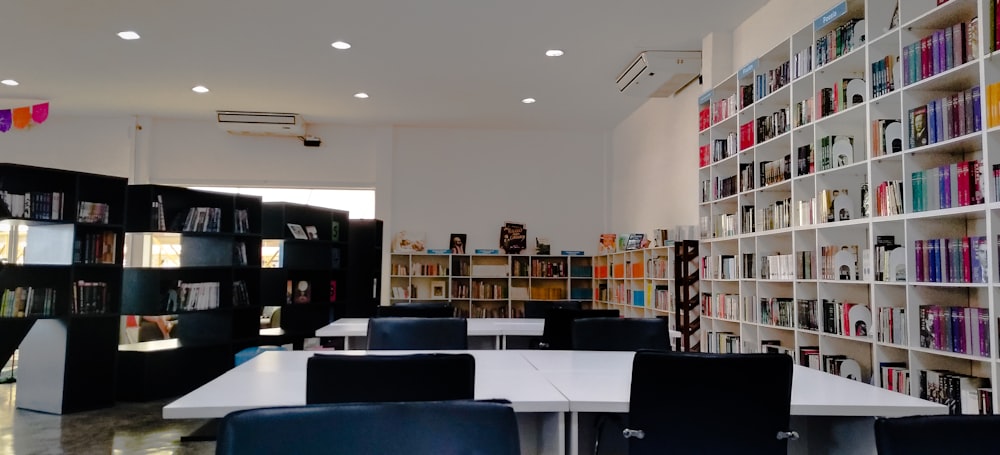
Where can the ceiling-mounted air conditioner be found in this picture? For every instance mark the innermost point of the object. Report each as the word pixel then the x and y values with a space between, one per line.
pixel 261 123
pixel 659 73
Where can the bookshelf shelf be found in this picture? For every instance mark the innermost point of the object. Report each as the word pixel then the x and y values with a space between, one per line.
pixel 868 170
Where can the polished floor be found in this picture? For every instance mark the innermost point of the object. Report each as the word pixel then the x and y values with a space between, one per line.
pixel 127 428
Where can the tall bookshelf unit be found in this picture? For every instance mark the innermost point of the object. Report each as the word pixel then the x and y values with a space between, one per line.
pixel 193 254
pixel 306 277
pixel 62 236
pixel 790 258
pixel 489 285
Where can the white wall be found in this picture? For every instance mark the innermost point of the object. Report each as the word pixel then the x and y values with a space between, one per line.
pixel 198 152
pixel 472 181
pixel 101 145
pixel 655 165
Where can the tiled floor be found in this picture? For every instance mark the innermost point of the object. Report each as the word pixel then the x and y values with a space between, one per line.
pixel 127 428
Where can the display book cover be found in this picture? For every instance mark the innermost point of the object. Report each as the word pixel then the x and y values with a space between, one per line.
pixel 513 237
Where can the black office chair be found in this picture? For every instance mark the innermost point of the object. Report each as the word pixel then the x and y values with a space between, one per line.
pixel 370 378
pixel 558 330
pixel 536 308
pixel 748 395
pixel 617 334
pixel 418 333
pixel 919 435
pixel 416 310
pixel 427 428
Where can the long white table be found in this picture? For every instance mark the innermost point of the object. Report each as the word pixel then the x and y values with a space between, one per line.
pixel 499 328
pixel 834 415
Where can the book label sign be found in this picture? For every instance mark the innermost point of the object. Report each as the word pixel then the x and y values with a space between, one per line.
pixel 484 251
pixel 749 68
pixel 444 251
pixel 705 97
pixel 572 253
pixel 830 16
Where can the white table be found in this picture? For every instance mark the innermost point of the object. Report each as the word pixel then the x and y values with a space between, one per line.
pixel 278 378
pixel 833 414
pixel 500 328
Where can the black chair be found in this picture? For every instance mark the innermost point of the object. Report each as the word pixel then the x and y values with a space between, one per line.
pixel 919 435
pixel 428 428
pixel 536 308
pixel 370 378
pixel 416 310
pixel 418 333
pixel 617 334
pixel 558 330
pixel 747 395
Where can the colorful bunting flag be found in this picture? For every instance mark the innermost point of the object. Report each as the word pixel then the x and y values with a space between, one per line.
pixel 23 117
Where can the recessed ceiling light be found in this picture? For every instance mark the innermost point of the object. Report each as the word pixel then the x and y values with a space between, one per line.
pixel 554 53
pixel 199 89
pixel 10 82
pixel 128 35
pixel 528 100
pixel 361 95
pixel 342 45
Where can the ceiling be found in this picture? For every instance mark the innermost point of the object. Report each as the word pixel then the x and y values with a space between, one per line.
pixel 452 63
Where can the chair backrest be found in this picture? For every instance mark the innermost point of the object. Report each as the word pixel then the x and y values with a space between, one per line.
pixel 558 330
pixel 428 428
pixel 748 395
pixel 536 308
pixel 370 378
pixel 418 333
pixel 938 434
pixel 416 310
pixel 617 334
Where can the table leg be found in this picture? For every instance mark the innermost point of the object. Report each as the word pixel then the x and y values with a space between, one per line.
pixel 542 433
pixel 574 433
pixel 347 344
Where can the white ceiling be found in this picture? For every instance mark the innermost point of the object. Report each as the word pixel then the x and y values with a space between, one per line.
pixel 454 63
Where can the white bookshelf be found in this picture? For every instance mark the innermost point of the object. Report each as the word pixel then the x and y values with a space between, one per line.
pixel 489 285
pixel 638 283
pixel 732 289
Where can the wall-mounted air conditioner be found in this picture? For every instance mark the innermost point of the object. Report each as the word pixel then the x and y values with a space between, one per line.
pixel 659 73
pixel 261 123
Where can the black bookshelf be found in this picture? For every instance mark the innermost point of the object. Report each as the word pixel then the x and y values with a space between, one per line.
pixel 311 275
pixel 365 271
pixel 62 297
pixel 212 291
pixel 687 307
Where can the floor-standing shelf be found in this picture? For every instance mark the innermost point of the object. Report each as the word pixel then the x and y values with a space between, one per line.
pixel 62 240
pixel 687 303
pixel 306 268
pixel 848 213
pixel 194 258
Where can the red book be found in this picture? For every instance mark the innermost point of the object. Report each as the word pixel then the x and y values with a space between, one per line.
pixel 963 183
pixel 967 253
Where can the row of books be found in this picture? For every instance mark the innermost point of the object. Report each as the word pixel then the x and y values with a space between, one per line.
pixel 776 311
pixel 887 136
pixel 429 269
pixel 704 118
pixel 658 267
pixel 241 294
pixel 844 94
pixel 838 151
pixel 846 318
pixel 748 219
pixel 90 212
pixel 724 148
pixel 774 125
pixel 945 118
pixel 202 219
pixel 724 225
pixel 839 41
pixel 543 268
pixel 746 135
pixel 724 108
pixel 778 267
pixel 895 376
pixel 241 222
pixel 192 297
pixel 746 177
pixel 802 62
pixel 27 301
pixel 719 267
pixel 884 75
pixel 949 185
pixel 240 253
pixel 721 305
pixel 404 292
pixel 807 319
pixel 952 260
pixel 962 393
pixel 723 343
pixel 770 82
pixel 663 299
pixel 839 262
pixel 940 51
pixel 748 266
pixel 805 267
pixel 993 104
pixel 889 198
pixel 95 248
pixel 806 160
pixel 776 171
pixel 746 95
pixel 955 329
pixel 776 215
pixel 892 325
pixel 32 205
pixel 802 112
pixel 484 290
